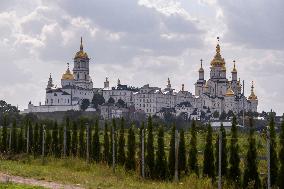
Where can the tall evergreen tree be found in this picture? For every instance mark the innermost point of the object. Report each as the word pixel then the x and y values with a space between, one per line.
pixel 4 135
pixel 14 137
pixel 273 153
pixel 224 158
pixel 20 141
pixel 68 137
pixel 96 143
pixel 130 159
pixel 208 160
pixel 31 136
pixel 36 145
pixel 251 175
pixel 192 158
pixel 121 144
pixel 234 159
pixel 140 146
pixel 113 129
pixel 161 161
pixel 82 142
pixel 40 138
pixel 74 144
pixel 150 157
pixel 48 141
pixel 55 142
pixel 106 145
pixel 182 165
pixel 281 158
pixel 60 140
pixel 172 153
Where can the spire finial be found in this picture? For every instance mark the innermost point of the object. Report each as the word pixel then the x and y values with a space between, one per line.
pixel 218 46
pixel 182 87
pixel 49 75
pixel 169 82
pixel 68 65
pixel 81 46
pixel 201 62
pixel 106 79
pixel 218 39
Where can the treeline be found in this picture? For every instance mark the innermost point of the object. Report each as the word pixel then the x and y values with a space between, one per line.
pixel 143 150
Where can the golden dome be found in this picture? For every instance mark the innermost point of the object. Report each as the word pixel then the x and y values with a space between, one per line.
pixel 252 96
pixel 234 69
pixel 218 60
pixel 81 53
pixel 230 91
pixel 223 68
pixel 67 75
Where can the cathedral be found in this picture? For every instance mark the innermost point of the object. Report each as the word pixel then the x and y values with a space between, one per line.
pixel 75 87
pixel 217 94
pixel 220 94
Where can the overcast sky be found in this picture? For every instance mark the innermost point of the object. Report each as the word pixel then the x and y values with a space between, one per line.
pixel 140 42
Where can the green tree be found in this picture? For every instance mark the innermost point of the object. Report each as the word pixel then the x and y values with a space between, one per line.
pixel 172 152
pixel 234 159
pixel 96 143
pixel 36 145
pixel 14 137
pixel 251 175
pixel 48 141
pixel 224 159
pixel 208 160
pixel 192 156
pixel 40 138
pixel 74 144
pixel 68 137
pixel 85 104
pixel 130 158
pixel 273 153
pixel 111 100
pixel 106 144
pixel 113 134
pixel 150 157
pixel 281 157
pixel 20 141
pixel 55 142
pixel 61 139
pixel 31 137
pixel 97 100
pixel 182 165
pixel 161 161
pixel 121 144
pixel 142 129
pixel 4 135
pixel 82 142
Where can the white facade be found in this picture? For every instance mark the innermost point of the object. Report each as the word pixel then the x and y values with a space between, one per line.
pixel 75 87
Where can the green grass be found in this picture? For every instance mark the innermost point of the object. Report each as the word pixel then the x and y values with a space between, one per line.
pixel 17 186
pixel 77 172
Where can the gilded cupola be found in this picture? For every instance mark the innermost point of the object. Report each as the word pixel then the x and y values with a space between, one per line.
pixel 252 96
pixel 230 91
pixel 81 53
pixel 218 61
pixel 67 75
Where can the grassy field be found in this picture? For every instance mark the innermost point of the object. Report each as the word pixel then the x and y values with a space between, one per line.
pixel 77 172
pixel 17 186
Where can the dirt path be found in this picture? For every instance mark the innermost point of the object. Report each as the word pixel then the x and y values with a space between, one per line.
pixel 29 181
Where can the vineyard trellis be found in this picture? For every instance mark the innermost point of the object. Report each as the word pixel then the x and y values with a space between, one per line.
pixel 101 146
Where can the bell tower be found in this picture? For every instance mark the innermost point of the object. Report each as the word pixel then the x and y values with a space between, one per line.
pixel 81 69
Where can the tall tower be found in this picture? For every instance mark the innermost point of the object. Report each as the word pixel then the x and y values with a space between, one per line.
pixel 235 79
pixel 81 69
pixel 200 82
pixel 49 83
pixel 253 99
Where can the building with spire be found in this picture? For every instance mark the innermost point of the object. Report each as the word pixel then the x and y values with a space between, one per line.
pixel 220 94
pixel 75 86
pixel 217 93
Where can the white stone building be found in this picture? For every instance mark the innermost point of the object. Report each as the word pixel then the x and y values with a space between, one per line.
pixel 220 94
pixel 74 88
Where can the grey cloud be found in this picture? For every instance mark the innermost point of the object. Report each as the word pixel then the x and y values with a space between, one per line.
pixel 257 23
